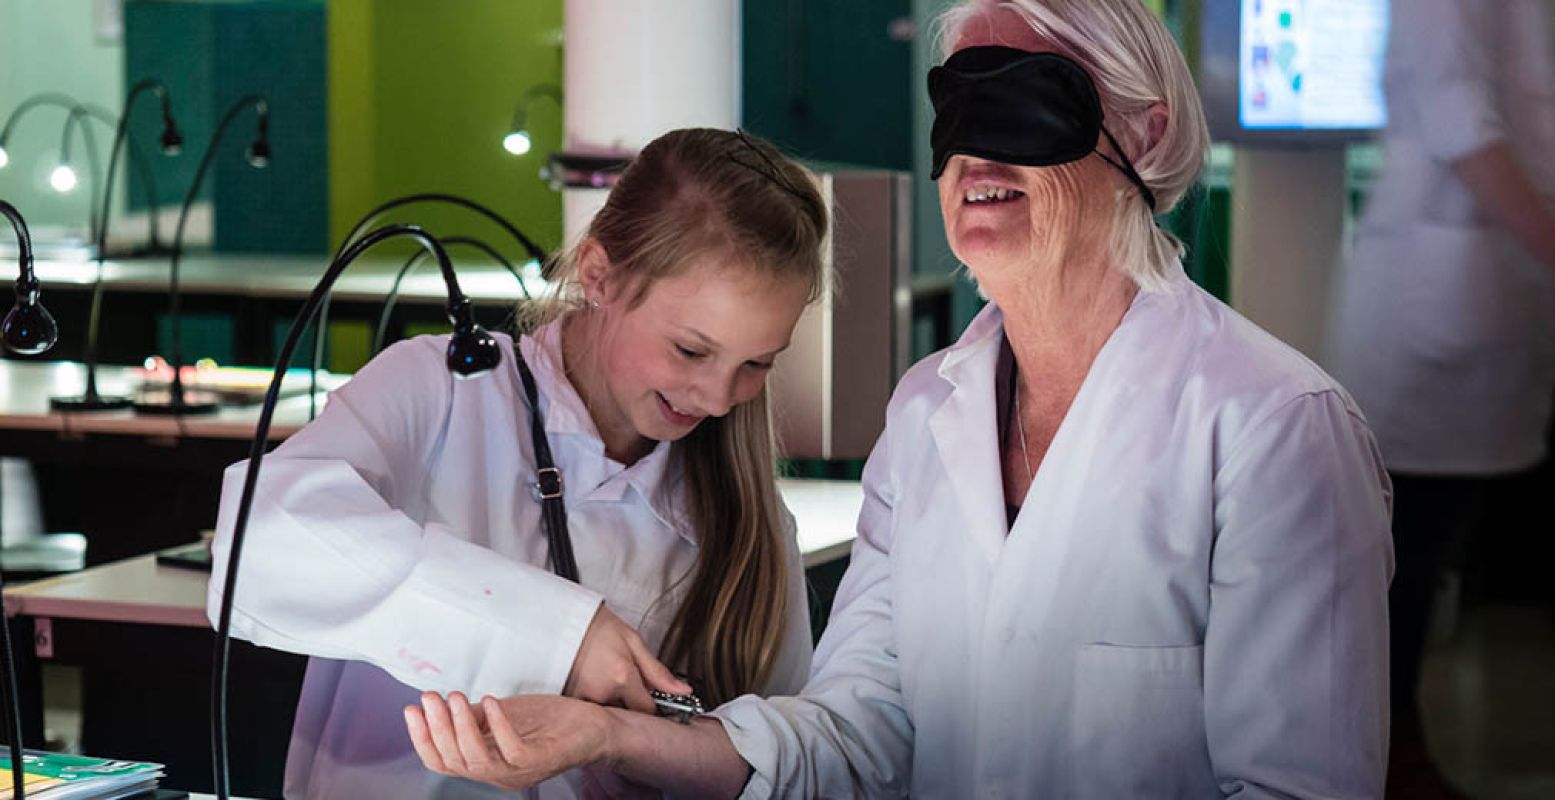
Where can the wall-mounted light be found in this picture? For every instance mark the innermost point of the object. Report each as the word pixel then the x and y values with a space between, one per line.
pixel 518 141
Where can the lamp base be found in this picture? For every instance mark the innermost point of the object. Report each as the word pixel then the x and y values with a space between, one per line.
pixel 161 403
pixel 89 402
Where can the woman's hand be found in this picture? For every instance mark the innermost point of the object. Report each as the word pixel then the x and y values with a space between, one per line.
pixel 614 668
pixel 513 743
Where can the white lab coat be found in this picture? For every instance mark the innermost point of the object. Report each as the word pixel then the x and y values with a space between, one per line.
pixel 1191 602
pixel 1445 326
pixel 396 539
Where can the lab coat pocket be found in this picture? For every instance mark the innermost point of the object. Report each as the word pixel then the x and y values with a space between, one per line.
pixel 1459 285
pixel 1137 723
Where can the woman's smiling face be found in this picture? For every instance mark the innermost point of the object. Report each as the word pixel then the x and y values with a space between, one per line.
pixel 1002 218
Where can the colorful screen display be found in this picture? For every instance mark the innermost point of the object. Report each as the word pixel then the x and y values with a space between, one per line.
pixel 1312 64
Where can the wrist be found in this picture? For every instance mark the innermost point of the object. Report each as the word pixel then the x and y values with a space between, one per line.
pixel 618 729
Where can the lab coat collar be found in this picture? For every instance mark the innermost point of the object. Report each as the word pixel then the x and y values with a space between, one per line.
pixel 965 425
pixel 654 477
pixel 965 430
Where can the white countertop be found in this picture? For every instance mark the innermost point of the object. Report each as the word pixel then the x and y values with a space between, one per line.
pixel 289 276
pixel 26 386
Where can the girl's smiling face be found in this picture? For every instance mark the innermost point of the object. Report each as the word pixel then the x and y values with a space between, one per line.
pixel 687 347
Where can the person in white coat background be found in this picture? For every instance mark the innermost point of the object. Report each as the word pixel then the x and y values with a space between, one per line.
pixel 1445 324
pixel 1117 542
pixel 399 539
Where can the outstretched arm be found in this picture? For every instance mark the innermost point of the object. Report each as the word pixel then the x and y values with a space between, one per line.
pixel 518 742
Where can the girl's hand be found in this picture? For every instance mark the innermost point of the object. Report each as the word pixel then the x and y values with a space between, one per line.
pixel 614 667
pixel 513 743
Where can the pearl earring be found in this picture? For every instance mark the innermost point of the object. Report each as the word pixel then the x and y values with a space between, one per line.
pixel 594 304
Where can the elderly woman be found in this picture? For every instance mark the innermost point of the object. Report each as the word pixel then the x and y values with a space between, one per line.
pixel 1116 541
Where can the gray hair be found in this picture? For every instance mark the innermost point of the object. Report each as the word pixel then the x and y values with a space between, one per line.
pixel 1135 64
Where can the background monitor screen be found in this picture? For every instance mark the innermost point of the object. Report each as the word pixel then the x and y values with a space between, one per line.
pixel 1294 70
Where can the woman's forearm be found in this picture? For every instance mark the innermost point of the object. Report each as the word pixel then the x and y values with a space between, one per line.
pixel 1510 199
pixel 695 760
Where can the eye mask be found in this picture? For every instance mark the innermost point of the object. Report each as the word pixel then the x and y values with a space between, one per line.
pixel 1021 108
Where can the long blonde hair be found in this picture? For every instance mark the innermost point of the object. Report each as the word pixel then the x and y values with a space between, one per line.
pixel 689 193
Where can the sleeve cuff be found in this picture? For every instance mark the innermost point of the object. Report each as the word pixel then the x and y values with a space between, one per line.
pixel 535 621
pixel 745 720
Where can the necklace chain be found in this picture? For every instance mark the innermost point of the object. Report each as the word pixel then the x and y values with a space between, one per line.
pixel 1020 424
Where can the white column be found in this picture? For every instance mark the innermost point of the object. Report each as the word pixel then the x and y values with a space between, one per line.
pixel 637 68
pixel 1287 227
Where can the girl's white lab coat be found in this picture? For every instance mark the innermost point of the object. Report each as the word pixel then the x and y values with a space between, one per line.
pixel 396 539
pixel 1445 330
pixel 1191 602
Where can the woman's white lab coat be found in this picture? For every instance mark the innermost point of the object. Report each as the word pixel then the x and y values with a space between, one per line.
pixel 396 539
pixel 1191 602
pixel 1445 327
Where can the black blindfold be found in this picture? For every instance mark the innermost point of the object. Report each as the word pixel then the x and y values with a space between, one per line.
pixel 1017 107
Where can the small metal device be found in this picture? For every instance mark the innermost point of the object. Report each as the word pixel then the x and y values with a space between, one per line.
pixel 680 706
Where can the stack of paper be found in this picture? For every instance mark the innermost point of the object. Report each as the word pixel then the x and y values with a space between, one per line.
pixel 56 776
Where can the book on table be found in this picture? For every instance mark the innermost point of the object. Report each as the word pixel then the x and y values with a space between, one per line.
pixel 60 776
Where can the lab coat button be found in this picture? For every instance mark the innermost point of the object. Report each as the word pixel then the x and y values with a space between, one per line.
pixel 1007 635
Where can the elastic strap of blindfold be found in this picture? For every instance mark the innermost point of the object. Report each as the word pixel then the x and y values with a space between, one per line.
pixel 1127 168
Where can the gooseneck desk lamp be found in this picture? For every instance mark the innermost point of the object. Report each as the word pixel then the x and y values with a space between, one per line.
pixel 382 329
pixel 63 178
pixel 172 145
pixel 517 141
pixel 177 401
pixel 138 159
pixel 27 329
pixel 533 250
pixel 471 352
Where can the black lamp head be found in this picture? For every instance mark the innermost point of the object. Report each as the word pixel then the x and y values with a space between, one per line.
pixel 172 140
pixel 259 152
pixel 472 351
pixel 29 328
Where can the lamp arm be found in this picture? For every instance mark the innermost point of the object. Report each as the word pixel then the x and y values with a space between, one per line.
pixel 44 98
pixel 388 302
pixel 533 250
pixel 77 120
pixel 100 235
pixel 263 109
pixel 256 455
pixel 381 330
pixel 26 276
pixel 120 137
pixel 27 283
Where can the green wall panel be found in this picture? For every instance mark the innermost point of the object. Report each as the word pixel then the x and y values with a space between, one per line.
pixel 828 80
pixel 421 95
pixel 275 49
pixel 170 41
pixel 210 55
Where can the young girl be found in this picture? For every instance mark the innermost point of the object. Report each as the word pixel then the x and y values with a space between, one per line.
pixel 401 541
